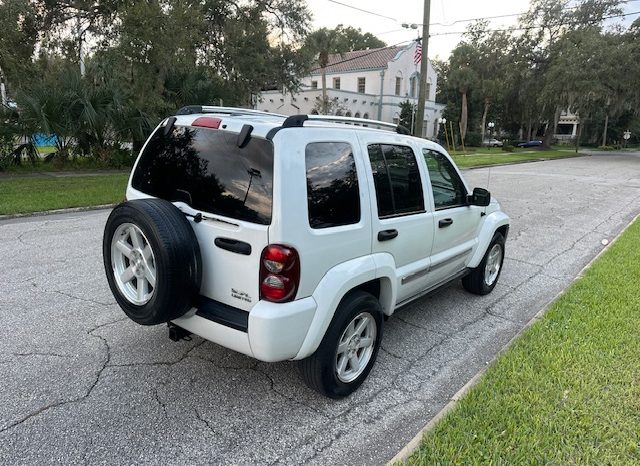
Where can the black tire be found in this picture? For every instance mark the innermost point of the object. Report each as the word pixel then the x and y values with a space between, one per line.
pixel 319 370
pixel 475 282
pixel 178 265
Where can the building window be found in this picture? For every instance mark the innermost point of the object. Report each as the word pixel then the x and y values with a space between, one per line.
pixel 336 83
pixel 361 85
pixel 412 86
pixel 365 116
pixel 357 115
pixel 348 114
pixel 314 84
pixel 398 84
pixel 428 89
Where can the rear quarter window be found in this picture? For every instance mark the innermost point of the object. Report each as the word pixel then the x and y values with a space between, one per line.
pixel 208 171
pixel 333 195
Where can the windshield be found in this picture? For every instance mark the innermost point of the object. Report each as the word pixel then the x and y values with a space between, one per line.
pixel 207 170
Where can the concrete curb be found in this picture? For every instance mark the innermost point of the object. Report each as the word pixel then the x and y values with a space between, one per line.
pixel 57 211
pixel 414 443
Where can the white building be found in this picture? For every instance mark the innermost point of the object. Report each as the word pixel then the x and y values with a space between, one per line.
pixel 363 84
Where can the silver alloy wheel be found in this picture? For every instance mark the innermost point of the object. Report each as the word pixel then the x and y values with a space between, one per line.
pixel 134 265
pixel 355 347
pixel 494 262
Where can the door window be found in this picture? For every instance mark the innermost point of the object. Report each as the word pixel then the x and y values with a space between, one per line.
pixel 333 196
pixel 448 189
pixel 397 180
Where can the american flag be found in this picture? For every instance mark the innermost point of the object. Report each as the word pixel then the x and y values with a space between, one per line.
pixel 417 57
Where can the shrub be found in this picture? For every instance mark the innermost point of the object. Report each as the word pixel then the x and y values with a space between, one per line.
pixel 508 147
pixel 473 139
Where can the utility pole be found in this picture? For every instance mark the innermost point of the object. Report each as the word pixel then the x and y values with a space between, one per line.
pixel 424 68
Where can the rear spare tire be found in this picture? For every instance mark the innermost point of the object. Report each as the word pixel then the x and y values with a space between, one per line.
pixel 152 260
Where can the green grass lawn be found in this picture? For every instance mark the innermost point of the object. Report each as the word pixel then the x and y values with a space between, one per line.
pixel 566 392
pixel 40 193
pixel 496 156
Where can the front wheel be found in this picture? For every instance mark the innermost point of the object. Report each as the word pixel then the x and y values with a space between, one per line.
pixel 349 348
pixel 482 279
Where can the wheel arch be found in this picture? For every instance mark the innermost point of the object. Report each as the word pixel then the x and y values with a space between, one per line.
pixel 334 288
pixel 494 222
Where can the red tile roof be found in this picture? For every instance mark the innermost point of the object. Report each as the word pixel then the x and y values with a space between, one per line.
pixel 360 60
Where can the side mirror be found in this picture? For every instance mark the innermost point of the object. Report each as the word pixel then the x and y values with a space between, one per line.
pixel 480 197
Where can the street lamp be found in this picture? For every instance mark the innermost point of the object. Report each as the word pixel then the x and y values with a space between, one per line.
pixel 491 125
pixel 443 121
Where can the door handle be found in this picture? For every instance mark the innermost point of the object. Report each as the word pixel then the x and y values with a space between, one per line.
pixel 445 222
pixel 232 245
pixel 386 235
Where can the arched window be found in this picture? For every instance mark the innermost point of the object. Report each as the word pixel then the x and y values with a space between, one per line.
pixel 365 116
pixel 428 88
pixel 314 112
pixel 413 84
pixel 348 114
pixel 339 112
pixel 357 115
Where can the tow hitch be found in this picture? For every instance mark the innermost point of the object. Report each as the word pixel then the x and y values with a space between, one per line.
pixel 178 333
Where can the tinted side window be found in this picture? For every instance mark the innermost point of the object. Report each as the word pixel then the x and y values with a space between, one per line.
pixel 397 180
pixel 448 188
pixel 333 195
pixel 207 170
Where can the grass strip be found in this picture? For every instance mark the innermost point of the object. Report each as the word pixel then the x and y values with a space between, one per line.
pixel 498 157
pixel 566 392
pixel 36 194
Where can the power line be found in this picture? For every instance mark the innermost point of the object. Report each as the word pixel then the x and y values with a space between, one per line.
pixel 363 10
pixel 528 28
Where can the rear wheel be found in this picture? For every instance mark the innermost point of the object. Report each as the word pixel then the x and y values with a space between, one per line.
pixel 349 348
pixel 483 279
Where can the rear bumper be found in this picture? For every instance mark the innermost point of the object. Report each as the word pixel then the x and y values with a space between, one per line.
pixel 275 331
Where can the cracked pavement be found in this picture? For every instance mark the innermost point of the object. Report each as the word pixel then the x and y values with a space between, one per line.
pixel 83 384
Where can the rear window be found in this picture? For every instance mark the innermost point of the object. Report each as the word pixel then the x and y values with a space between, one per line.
pixel 207 170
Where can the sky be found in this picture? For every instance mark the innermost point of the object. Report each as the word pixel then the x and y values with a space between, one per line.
pixel 443 12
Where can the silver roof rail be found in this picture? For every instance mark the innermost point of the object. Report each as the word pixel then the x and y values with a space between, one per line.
pixel 298 120
pixel 231 111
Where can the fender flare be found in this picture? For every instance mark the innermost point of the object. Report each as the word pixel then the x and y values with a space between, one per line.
pixel 339 281
pixel 492 222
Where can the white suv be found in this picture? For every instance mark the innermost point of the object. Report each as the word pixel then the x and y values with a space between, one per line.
pixel 294 238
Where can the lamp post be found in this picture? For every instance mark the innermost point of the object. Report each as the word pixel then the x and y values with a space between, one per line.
pixel 443 121
pixel 490 125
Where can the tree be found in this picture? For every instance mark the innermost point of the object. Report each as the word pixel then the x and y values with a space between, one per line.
pixel 322 43
pixel 407 115
pixel 355 39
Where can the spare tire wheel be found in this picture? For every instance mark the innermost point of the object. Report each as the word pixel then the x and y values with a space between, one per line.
pixel 152 260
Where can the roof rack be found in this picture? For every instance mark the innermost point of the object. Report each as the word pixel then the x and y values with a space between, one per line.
pixel 296 121
pixel 231 111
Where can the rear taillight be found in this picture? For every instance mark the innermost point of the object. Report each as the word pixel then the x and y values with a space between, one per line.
pixel 279 273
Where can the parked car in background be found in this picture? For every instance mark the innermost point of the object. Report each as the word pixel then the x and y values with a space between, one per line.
pixel 535 143
pixel 492 143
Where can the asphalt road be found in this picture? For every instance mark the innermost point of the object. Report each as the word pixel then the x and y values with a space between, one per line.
pixel 82 384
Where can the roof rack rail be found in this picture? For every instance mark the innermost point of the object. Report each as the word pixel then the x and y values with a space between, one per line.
pixel 232 111
pixel 298 121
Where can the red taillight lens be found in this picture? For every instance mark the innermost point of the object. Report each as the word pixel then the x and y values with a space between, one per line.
pixel 207 122
pixel 279 273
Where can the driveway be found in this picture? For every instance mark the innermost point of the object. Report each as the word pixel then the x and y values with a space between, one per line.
pixel 82 384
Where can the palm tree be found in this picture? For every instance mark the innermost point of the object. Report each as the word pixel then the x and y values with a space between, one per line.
pixel 322 43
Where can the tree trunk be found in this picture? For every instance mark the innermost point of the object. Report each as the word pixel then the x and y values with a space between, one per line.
pixel 604 133
pixel 463 115
pixel 551 130
pixel 487 103
pixel 324 91
pixel 578 137
pixel 529 125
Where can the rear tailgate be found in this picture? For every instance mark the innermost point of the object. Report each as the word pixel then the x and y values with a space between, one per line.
pixel 228 189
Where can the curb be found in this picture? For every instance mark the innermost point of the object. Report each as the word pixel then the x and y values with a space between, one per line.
pixel 414 443
pixel 57 211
